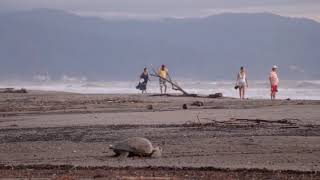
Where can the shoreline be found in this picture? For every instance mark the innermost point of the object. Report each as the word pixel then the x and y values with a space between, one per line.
pixel 299 90
pixel 171 94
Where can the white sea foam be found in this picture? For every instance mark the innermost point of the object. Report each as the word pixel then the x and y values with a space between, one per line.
pixel 256 90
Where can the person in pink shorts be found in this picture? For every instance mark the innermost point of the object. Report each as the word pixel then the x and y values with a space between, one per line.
pixel 274 82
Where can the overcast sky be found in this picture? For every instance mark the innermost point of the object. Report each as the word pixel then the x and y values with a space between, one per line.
pixel 169 8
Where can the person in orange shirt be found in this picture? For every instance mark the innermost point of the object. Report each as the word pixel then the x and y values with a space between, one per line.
pixel 274 82
pixel 164 74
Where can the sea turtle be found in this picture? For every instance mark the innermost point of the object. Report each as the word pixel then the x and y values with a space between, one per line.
pixel 136 146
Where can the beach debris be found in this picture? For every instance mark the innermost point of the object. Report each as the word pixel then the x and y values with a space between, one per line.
pixel 197 103
pixel 136 146
pixel 285 123
pixel 149 106
pixel 216 95
pixel 144 177
pixel 176 95
pixel 192 95
pixel 184 106
pixel 12 90
pixel 258 121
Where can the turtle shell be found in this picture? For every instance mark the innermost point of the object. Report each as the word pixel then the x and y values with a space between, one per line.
pixel 135 146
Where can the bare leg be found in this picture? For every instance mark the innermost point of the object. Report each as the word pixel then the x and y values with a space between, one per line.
pixel 243 92
pixel 124 154
pixel 273 96
pixel 120 153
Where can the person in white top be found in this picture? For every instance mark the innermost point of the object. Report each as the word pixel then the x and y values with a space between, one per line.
pixel 274 82
pixel 242 82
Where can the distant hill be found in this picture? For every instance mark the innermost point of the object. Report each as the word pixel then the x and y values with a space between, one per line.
pixel 214 47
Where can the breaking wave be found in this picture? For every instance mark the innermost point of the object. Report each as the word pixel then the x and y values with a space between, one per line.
pixel 256 90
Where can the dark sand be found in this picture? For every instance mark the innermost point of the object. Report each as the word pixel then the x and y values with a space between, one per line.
pixel 48 134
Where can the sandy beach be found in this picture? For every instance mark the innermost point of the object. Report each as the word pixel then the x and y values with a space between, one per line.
pixel 56 134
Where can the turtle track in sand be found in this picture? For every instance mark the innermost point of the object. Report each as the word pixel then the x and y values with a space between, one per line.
pixel 116 132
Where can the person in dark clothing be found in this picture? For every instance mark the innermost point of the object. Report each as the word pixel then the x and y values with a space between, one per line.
pixel 144 78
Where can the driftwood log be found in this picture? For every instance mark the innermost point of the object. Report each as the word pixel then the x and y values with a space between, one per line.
pixel 175 86
pixel 12 90
pixel 216 95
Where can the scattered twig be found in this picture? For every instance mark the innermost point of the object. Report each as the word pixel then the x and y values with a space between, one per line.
pixel 198 118
pixel 217 122
pixel 72 168
pixel 258 121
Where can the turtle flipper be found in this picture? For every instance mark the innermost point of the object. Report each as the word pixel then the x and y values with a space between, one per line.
pixel 120 153
pixel 123 154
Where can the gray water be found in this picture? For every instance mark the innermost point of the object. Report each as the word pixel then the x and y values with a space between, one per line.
pixel 257 89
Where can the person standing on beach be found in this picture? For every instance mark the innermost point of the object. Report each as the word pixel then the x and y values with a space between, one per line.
pixel 164 74
pixel 242 82
pixel 144 78
pixel 274 82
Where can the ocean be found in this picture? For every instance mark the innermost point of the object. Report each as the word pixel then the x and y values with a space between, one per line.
pixel 308 90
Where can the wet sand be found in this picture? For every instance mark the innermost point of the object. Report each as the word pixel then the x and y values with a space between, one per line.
pixel 52 129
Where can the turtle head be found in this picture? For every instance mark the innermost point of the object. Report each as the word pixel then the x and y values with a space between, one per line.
pixel 156 152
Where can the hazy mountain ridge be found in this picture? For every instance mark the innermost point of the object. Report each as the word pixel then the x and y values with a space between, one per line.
pixel 214 47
